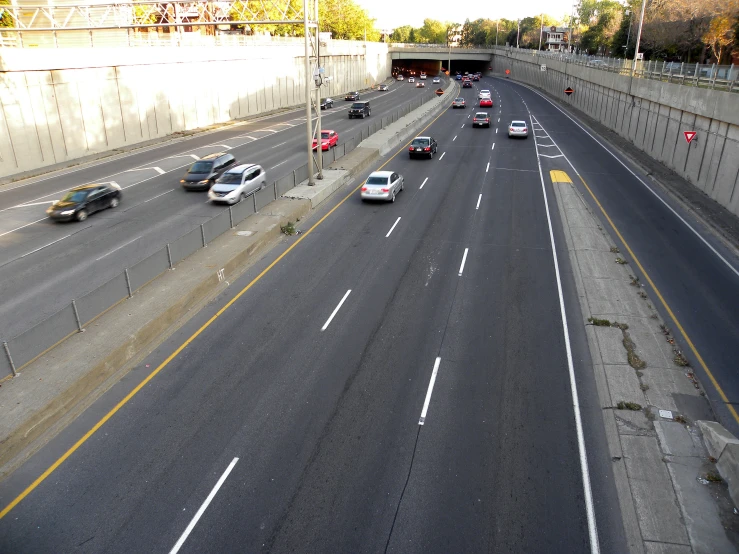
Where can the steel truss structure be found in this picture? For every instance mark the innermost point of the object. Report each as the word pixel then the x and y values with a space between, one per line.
pixel 142 15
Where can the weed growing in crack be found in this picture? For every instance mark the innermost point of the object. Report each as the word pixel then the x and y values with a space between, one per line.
pixel 713 477
pixel 634 360
pixel 633 406
pixel 681 419
pixel 599 322
pixel 615 250
pixel 643 294
pixel 680 359
pixel 288 229
pixel 620 260
pixel 634 281
pixel 644 387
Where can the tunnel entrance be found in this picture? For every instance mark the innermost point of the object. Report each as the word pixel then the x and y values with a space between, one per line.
pixel 409 68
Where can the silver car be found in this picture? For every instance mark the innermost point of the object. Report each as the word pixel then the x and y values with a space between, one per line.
pixel 238 183
pixel 382 185
pixel 518 129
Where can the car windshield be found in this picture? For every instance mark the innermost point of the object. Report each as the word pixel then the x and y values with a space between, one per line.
pixel 324 135
pixel 480 115
pixel 459 100
pixel 376 180
pixel 230 179
pixel 75 196
pixel 201 167
pixel 357 105
pixel 420 142
pixel 518 124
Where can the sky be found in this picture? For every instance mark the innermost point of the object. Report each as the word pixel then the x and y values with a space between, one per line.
pixel 394 13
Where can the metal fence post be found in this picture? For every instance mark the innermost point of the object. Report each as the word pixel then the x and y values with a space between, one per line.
pixel 230 219
pixel 254 197
pixel 274 189
pixel 128 283
pixel 77 317
pixel 202 235
pixel 10 358
pixel 169 256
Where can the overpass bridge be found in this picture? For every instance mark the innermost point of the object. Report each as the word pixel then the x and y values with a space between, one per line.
pixel 431 58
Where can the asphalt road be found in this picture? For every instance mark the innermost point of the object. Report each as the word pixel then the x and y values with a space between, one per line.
pixel 44 265
pixel 297 411
pixel 700 285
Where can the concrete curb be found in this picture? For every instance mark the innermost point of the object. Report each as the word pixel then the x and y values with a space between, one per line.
pixel 58 386
pixel 723 447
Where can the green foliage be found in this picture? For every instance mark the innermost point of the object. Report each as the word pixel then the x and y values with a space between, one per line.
pixel 346 20
pixel 6 20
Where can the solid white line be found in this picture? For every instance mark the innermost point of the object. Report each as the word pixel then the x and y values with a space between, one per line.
pixel 442 155
pixel 455 138
pixel 116 249
pixel 487 167
pixel 33 204
pixel 328 321
pixel 688 225
pixel 45 245
pixel 478 202
pixel 588 493
pixel 157 196
pixel 226 146
pixel 419 188
pixel 545 156
pixel 493 148
pixel 22 226
pixel 202 509
pixel 464 259
pixel 391 228
pixel 429 391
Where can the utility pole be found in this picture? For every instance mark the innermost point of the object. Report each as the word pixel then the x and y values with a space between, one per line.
pixel 638 35
pixel 319 143
pixel 308 77
pixel 628 35
pixel 518 33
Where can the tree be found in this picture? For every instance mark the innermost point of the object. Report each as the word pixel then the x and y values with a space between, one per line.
pixel 432 32
pixel 412 36
pixel 346 20
pixel 401 34
pixel 6 20
pixel 719 36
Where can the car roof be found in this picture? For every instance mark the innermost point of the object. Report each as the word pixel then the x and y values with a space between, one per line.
pixel 518 121
pixel 212 156
pixel 241 168
pixel 481 113
pixel 460 98
pixel 424 138
pixel 89 187
pixel 327 131
pixel 380 174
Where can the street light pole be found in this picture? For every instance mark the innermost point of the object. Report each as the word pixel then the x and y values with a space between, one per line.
pixel 518 33
pixel 308 77
pixel 638 35
pixel 628 35
pixel 541 29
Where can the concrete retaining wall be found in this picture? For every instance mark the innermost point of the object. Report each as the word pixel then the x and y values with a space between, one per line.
pixel 652 115
pixel 58 105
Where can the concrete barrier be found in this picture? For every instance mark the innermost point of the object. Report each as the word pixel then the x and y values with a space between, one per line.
pixel 723 447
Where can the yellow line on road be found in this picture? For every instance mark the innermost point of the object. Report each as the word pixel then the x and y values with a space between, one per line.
pixel 184 345
pixel 697 355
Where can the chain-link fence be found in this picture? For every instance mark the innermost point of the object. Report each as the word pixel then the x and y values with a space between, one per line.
pixel 32 343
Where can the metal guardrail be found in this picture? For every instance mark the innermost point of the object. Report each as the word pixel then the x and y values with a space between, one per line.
pixel 721 77
pixel 24 348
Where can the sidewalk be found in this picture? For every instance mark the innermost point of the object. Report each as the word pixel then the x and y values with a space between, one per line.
pixel 670 502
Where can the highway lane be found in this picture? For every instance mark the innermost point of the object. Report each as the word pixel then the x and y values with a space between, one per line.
pixel 325 424
pixel 44 265
pixel 701 289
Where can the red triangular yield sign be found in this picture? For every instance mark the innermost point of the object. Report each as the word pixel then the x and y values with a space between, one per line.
pixel 569 91
pixel 689 135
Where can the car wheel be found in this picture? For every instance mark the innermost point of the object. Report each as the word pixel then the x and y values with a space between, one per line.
pixel 114 202
pixel 431 155
pixel 81 215
pixel 241 198
pixel 393 198
pixel 402 185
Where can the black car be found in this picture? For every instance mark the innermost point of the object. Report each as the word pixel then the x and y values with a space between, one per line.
pixel 203 173
pixel 423 147
pixel 360 109
pixel 82 201
pixel 352 96
pixel 327 103
pixel 383 87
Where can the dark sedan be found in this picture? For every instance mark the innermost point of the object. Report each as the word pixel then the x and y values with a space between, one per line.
pixel 352 96
pixel 82 201
pixel 327 103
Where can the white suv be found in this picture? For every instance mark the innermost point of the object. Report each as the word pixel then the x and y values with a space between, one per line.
pixel 237 183
pixel 484 94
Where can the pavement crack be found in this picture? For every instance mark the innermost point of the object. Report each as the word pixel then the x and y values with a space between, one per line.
pixel 405 486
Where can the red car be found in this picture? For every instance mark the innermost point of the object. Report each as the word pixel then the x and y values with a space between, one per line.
pixel 329 139
pixel 486 102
